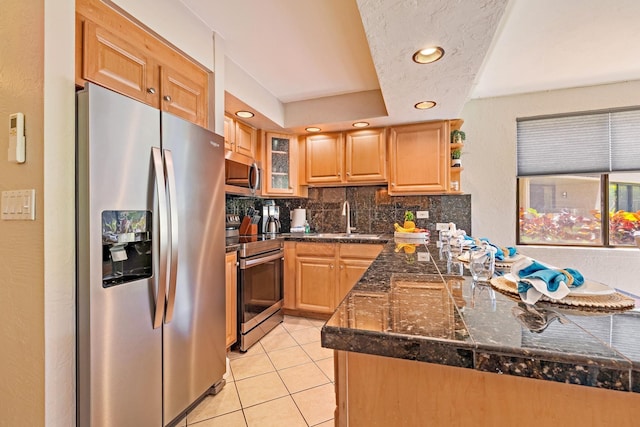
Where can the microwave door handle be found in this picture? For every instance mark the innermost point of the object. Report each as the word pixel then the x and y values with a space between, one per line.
pixel 161 277
pixel 254 184
pixel 173 247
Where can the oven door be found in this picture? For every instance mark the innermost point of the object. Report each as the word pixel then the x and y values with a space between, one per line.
pixel 260 288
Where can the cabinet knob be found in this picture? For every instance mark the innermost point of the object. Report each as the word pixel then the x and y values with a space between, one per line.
pixel 339 174
pixel 331 266
pixel 348 173
pixel 151 90
pixel 167 98
pixel 342 267
pixel 393 184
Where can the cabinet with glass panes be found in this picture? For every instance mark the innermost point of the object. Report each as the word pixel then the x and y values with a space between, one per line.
pixel 279 164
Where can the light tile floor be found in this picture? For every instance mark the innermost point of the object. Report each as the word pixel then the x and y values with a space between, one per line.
pixel 286 379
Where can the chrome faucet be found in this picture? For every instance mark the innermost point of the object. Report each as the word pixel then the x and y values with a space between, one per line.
pixel 346 212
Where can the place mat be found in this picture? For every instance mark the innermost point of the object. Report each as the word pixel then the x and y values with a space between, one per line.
pixel 615 301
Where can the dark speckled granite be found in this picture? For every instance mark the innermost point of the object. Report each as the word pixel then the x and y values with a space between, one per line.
pixel 373 210
pixel 406 306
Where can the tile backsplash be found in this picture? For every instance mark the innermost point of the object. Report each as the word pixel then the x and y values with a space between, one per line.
pixel 372 209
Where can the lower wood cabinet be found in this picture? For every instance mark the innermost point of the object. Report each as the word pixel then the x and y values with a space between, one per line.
pixel 319 275
pixel 231 297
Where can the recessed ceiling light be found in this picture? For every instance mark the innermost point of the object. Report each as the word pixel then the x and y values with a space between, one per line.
pixel 244 114
pixel 313 129
pixel 428 55
pixel 425 105
pixel 360 124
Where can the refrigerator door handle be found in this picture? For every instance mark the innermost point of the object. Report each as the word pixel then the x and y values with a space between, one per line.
pixel 158 171
pixel 173 209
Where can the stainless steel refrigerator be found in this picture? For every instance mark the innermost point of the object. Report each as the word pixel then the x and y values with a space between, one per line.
pixel 150 264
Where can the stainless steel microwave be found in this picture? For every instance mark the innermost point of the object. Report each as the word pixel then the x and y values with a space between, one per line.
pixel 242 174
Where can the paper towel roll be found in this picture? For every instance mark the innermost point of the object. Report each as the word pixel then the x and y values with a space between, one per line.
pixel 298 218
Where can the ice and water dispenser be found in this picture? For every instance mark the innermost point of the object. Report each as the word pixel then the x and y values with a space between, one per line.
pixel 126 247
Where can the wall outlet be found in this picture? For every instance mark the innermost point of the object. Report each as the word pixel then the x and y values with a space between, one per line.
pixel 422 214
pixel 423 256
pixel 442 226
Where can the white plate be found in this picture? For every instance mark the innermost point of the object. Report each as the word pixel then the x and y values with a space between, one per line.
pixel 410 235
pixel 588 288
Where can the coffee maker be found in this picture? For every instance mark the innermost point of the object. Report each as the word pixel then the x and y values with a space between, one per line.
pixel 270 218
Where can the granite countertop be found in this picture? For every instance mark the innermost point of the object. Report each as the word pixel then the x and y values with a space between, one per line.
pixel 420 306
pixel 375 239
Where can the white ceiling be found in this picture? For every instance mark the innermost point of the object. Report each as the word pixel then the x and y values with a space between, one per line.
pixel 321 58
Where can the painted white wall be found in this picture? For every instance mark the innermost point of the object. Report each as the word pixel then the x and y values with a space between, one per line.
pixel 218 83
pixel 59 213
pixel 170 19
pixel 489 159
pixel 247 89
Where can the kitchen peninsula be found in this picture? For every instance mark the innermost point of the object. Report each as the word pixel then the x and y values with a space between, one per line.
pixel 417 345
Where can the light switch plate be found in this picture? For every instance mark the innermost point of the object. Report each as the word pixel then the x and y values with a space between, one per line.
pixel 18 205
pixel 422 214
pixel 442 226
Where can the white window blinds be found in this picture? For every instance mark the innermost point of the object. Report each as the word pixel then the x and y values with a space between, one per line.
pixel 598 142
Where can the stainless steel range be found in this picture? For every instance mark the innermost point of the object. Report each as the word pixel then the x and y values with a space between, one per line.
pixel 260 286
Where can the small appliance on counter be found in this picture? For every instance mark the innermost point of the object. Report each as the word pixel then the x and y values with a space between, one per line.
pixel 232 225
pixel 270 218
pixel 298 220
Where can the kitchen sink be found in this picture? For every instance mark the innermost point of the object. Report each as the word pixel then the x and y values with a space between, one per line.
pixel 344 236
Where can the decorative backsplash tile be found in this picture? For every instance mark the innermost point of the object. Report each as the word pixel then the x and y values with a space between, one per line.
pixel 372 209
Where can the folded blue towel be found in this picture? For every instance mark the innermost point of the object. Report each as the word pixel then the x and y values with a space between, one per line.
pixel 552 277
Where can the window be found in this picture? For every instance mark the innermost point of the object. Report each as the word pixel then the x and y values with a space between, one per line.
pixel 566 209
pixel 571 169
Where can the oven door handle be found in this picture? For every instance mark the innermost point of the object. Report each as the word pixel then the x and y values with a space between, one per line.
pixel 247 263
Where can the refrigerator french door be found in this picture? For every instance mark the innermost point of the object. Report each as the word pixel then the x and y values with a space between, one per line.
pixel 150 245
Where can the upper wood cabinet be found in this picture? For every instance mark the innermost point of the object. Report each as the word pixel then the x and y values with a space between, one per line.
pixel 115 53
pixel 246 140
pixel 344 158
pixel 184 95
pixel 324 158
pixel 419 158
pixel 280 165
pixel 115 63
pixel 240 137
pixel 229 133
pixel 365 156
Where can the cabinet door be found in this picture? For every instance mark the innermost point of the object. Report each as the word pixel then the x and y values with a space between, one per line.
pixel 279 164
pixel 114 63
pixel 316 284
pixel 229 133
pixel 324 158
pixel 246 140
pixel 184 94
pixel 355 259
pixel 231 298
pixel 418 159
pixel 365 156
pixel 351 270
